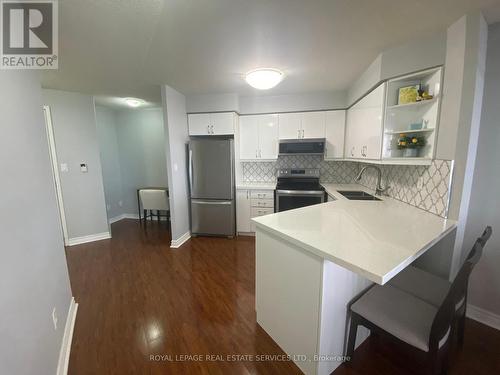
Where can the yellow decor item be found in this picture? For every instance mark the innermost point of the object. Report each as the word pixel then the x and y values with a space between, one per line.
pixel 408 94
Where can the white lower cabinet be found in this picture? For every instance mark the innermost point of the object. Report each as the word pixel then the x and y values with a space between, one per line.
pixel 243 209
pixel 252 203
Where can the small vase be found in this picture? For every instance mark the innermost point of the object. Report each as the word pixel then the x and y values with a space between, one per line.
pixel 410 152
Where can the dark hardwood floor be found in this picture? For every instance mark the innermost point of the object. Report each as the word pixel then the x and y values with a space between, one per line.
pixel 138 298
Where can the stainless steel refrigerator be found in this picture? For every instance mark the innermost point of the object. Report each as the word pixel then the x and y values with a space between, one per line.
pixel 211 183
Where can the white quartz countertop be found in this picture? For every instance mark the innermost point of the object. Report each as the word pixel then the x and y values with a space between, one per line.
pixel 376 239
pixel 256 185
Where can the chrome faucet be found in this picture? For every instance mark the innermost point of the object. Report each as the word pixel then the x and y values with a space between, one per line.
pixel 378 189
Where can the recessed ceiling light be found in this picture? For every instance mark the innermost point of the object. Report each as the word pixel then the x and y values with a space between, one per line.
pixel 264 79
pixel 133 102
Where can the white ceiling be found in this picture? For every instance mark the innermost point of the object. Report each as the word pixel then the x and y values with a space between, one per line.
pixel 129 47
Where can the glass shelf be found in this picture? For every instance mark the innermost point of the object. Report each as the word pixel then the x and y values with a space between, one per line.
pixel 408 131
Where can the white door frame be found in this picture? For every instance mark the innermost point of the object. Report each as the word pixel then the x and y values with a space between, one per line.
pixel 55 170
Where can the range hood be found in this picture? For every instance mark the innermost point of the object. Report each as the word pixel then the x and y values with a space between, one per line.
pixel 313 146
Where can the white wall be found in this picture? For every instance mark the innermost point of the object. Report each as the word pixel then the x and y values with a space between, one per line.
pixel 484 284
pixel 266 103
pixel 132 144
pixel 110 160
pixel 212 103
pixel 141 144
pixel 33 273
pixel 292 103
pixel 461 109
pixel 176 139
pixel 73 117
pixel 418 54
pixel 366 81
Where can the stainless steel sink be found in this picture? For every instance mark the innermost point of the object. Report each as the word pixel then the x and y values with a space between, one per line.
pixel 357 195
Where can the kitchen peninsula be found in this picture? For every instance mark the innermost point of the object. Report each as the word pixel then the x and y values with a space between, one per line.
pixel 312 262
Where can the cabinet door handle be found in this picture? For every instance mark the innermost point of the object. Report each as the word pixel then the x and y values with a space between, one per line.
pixel 302 133
pixel 352 151
pixel 212 129
pixel 208 129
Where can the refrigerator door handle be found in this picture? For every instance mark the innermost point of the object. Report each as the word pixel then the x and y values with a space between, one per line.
pixel 218 203
pixel 190 171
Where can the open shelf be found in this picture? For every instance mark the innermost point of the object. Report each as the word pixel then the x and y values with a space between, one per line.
pixel 408 160
pixel 414 104
pixel 408 131
pixel 402 116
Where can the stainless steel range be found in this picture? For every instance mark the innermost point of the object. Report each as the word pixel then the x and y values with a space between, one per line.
pixel 298 187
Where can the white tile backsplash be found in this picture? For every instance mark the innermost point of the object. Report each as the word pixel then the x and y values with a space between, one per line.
pixel 338 171
pixel 425 187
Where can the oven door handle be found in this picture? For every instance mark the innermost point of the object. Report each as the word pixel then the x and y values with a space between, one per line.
pixel 300 192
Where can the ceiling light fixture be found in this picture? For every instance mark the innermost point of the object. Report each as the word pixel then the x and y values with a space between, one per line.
pixel 133 102
pixel 264 79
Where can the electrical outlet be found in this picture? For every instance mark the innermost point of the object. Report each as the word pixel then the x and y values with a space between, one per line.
pixel 54 318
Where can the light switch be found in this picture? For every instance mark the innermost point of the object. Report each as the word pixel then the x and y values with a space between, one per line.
pixel 84 168
pixel 64 167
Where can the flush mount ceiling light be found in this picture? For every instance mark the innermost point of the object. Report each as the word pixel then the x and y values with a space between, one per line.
pixel 264 79
pixel 133 102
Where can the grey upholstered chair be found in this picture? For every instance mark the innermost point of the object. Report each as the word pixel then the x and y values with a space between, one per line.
pixel 433 289
pixel 412 320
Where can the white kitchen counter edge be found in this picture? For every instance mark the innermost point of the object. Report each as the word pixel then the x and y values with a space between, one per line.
pixel 331 189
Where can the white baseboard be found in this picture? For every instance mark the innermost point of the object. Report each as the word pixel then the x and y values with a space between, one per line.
pixel 62 365
pixel 180 241
pixel 131 216
pixel 90 238
pixel 483 316
pixel 117 218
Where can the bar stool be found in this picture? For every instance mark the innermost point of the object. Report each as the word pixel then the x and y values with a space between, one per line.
pixel 433 289
pixel 411 320
pixel 154 199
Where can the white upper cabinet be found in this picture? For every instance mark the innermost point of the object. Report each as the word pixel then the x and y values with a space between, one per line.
pixel 223 123
pixel 313 125
pixel 364 126
pixel 211 123
pixel 249 137
pixel 334 133
pixel 268 137
pixel 259 137
pixel 199 124
pixel 302 125
pixel 290 125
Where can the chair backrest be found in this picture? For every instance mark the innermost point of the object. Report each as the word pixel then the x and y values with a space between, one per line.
pixel 476 252
pixel 473 256
pixel 152 199
pixel 444 317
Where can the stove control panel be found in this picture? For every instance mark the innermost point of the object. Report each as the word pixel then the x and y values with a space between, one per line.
pixel 298 172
